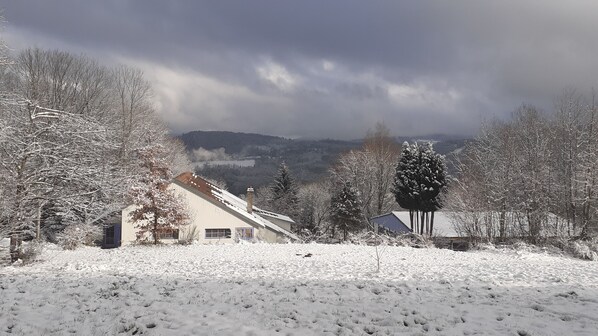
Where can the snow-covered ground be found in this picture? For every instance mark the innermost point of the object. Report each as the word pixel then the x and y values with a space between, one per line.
pixel 260 289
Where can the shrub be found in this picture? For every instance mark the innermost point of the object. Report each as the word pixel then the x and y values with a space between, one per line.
pixel 75 235
pixel 586 250
pixel 408 240
pixel 30 251
pixel 188 235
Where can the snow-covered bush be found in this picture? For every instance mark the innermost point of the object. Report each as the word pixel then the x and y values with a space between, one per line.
pixel 484 247
pixel 30 251
pixel 407 240
pixel 315 236
pixel 75 235
pixel 520 245
pixel 586 250
pixel 415 240
pixel 188 235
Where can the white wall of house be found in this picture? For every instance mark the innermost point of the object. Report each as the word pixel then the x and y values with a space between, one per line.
pixel 128 230
pixel 207 215
pixel 204 215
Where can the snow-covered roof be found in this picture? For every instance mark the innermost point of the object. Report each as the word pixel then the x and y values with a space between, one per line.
pixel 390 222
pixel 233 203
pixel 271 214
pixel 443 224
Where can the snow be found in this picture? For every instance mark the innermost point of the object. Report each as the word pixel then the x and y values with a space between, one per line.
pixel 443 223
pixel 231 163
pixel 262 289
pixel 240 207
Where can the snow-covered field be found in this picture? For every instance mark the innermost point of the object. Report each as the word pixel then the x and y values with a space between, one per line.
pixel 260 289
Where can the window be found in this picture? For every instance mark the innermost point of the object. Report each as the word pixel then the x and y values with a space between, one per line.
pixel 244 233
pixel 217 233
pixel 168 234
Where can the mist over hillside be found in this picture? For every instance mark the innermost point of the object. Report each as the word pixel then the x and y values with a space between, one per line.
pixel 247 159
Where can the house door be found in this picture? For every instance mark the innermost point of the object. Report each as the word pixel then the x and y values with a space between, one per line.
pixel 112 236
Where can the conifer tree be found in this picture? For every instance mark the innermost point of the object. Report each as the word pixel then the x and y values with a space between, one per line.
pixel 159 209
pixel 346 210
pixel 406 186
pixel 420 178
pixel 283 192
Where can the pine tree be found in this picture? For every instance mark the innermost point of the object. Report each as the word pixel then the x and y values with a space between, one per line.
pixel 406 186
pixel 420 178
pixel 283 192
pixel 159 210
pixel 346 210
pixel 433 183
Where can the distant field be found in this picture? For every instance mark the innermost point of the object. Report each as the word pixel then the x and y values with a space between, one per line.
pixel 260 289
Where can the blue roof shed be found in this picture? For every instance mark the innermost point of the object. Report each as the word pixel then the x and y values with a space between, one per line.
pixel 390 223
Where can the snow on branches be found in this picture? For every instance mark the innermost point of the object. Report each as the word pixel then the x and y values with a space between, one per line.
pixel 158 209
pixel 419 181
pixel 346 210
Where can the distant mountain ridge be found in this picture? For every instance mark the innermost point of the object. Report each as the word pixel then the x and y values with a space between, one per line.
pixel 309 160
pixel 232 142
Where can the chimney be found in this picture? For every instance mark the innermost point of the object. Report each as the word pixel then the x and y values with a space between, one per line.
pixel 250 199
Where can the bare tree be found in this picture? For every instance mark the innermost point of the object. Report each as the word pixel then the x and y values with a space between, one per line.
pixel 315 205
pixel 69 129
pixel 370 170
pixel 384 152
pixel 533 176
pixel 573 153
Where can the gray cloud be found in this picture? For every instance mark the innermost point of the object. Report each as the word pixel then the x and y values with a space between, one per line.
pixel 329 68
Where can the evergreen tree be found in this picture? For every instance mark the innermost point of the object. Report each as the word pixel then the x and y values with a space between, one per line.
pixel 406 184
pixel 346 210
pixel 283 193
pixel 420 178
pixel 433 183
pixel 159 210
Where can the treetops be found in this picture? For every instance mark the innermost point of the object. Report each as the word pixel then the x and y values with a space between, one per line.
pixel 420 179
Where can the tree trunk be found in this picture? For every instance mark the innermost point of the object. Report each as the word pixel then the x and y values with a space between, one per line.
pixel 15 247
pixel 38 233
pixel 155 229
pixel 432 223
pixel 502 222
pixel 428 224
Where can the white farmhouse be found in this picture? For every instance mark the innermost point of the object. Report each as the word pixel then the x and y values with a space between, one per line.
pixel 216 216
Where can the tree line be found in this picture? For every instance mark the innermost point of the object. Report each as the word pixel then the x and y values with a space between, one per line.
pixel 71 136
pixel 80 140
pixel 532 177
pixel 379 177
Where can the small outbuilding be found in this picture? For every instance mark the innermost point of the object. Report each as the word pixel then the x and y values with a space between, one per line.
pixel 444 233
pixel 390 224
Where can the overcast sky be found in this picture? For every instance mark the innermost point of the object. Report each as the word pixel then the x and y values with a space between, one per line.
pixel 329 68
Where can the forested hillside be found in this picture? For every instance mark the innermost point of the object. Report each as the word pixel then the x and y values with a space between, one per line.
pixel 310 160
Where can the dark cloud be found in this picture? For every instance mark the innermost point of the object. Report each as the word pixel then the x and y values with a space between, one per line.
pixel 329 68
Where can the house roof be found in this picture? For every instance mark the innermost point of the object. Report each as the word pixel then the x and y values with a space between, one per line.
pixel 391 222
pixel 232 203
pixel 271 214
pixel 443 224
